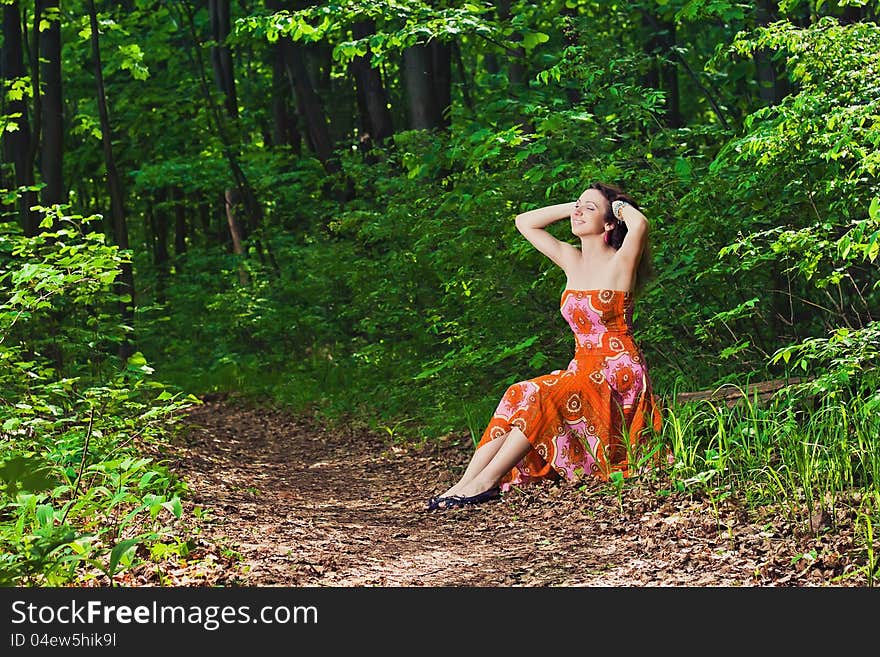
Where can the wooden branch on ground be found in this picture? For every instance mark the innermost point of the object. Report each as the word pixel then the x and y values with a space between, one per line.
pixel 732 394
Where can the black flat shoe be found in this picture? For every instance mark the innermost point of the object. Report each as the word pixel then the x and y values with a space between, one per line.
pixel 454 501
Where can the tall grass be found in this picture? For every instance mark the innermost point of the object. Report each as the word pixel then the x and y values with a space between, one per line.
pixel 810 457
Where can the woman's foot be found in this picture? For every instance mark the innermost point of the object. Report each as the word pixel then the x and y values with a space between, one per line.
pixel 469 489
pixel 473 487
pixel 454 501
pixel 451 491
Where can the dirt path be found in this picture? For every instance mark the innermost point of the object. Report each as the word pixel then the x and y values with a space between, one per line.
pixel 306 507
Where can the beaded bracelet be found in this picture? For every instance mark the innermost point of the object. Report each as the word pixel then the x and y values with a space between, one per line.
pixel 617 208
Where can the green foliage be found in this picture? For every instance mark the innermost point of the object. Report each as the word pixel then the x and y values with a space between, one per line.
pixel 408 23
pixel 812 164
pixel 76 495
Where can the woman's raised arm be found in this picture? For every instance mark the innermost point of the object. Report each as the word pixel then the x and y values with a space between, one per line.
pixel 630 251
pixel 531 224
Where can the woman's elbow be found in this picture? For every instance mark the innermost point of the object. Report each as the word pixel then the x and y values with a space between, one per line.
pixel 638 224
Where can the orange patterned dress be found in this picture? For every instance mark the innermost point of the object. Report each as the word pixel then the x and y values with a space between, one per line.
pixel 593 417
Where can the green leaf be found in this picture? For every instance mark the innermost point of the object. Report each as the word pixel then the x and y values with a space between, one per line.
pixel 683 168
pixel 45 515
pixel 532 39
pixel 174 506
pixel 30 474
pixel 118 550
pixel 538 360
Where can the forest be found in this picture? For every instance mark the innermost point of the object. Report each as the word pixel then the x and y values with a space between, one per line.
pixel 233 232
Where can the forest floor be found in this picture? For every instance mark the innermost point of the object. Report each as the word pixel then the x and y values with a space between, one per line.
pixel 288 502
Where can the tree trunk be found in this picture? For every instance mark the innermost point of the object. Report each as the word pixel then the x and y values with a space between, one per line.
pixel 52 142
pixel 311 111
pixel 157 215
pixel 125 285
pixel 371 92
pixel 284 128
pixel 237 246
pixel 221 56
pixel 441 67
pixel 205 220
pixel 463 76
pixel 490 63
pixel 516 67
pixel 417 72
pixel 292 58
pixel 663 73
pixel 224 78
pixel 180 227
pixel 18 145
pixel 670 79
pixel 772 87
pixel 308 104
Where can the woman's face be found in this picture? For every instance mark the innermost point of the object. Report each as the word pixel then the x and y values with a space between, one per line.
pixel 589 213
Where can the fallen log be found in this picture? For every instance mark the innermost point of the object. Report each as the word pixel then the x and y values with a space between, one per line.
pixel 732 394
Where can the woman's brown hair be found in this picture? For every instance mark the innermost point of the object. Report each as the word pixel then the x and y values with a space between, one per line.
pixel 645 269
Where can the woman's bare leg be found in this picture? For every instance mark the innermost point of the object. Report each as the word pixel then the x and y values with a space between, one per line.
pixel 511 452
pixel 479 461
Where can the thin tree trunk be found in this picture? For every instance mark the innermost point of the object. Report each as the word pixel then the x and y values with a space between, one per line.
pixel 224 78
pixel 516 65
pixel 157 214
pixel 125 285
pixel 312 113
pixel 18 144
pixel 721 119
pixel 652 45
pixel 221 56
pixel 490 63
pixel 663 74
pixel 205 220
pixel 771 90
pixel 516 68
pixel 674 118
pixel 237 246
pixel 52 142
pixel 463 76
pixel 180 225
